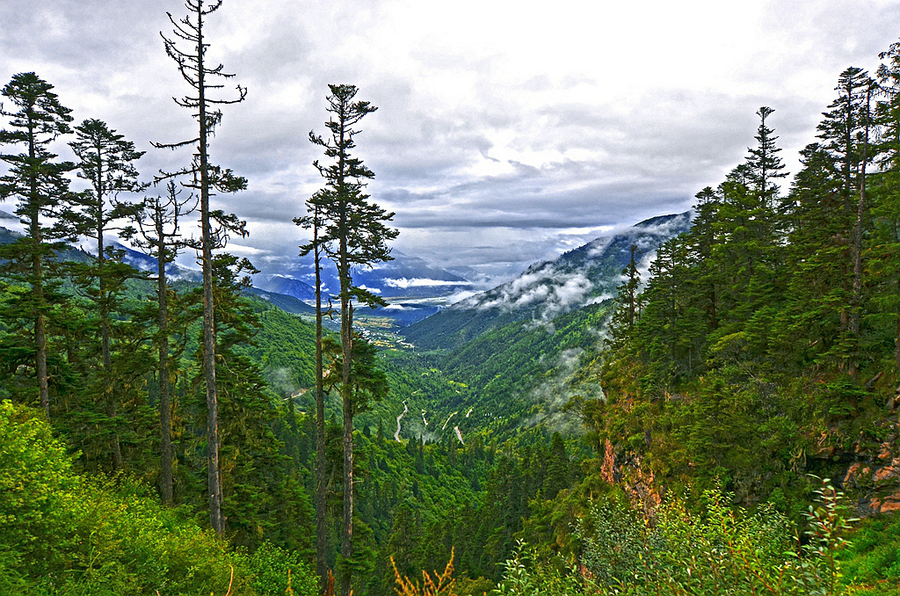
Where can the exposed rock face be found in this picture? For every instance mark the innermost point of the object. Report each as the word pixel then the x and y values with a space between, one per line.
pixel 878 481
pixel 608 469
pixel 890 504
pixel 629 472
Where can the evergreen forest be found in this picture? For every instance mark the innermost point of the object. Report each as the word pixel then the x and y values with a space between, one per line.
pixel 728 423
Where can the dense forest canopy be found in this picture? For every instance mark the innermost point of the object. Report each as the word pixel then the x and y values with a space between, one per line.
pixel 713 428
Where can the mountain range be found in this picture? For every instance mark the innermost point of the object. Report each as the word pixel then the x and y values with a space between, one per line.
pixel 406 278
pixel 586 275
pixel 413 288
pixel 422 296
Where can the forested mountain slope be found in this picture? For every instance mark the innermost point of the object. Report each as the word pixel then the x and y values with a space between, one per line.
pixel 765 345
pixel 586 275
pixel 185 277
pixel 509 380
pixel 524 374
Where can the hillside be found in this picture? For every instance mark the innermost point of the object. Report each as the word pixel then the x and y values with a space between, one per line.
pixel 183 276
pixel 586 275
pixel 524 374
pixel 508 380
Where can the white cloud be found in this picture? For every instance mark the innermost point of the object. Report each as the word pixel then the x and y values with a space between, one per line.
pixel 552 290
pixel 504 130
pixel 404 283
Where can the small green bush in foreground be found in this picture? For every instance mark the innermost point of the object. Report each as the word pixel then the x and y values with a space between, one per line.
pixel 64 534
pixel 722 551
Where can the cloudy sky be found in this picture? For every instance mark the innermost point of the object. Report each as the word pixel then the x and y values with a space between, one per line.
pixel 507 131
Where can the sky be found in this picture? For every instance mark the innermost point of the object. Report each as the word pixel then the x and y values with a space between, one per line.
pixel 506 132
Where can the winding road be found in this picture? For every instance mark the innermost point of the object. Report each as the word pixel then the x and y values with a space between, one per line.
pixel 405 410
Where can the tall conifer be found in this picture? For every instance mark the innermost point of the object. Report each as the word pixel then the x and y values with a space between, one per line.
pixel 764 163
pixel 886 251
pixel 817 258
pixel 355 235
pixel 159 227
pixel 106 161
pixel 207 179
pixel 314 221
pixel 843 129
pixel 37 180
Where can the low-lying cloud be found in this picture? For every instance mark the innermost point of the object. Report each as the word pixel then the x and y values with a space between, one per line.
pixel 404 283
pixel 552 291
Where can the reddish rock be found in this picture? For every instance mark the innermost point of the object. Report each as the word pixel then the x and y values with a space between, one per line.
pixel 886 473
pixel 888 504
pixel 608 468
pixel 857 474
pixel 850 476
pixel 630 472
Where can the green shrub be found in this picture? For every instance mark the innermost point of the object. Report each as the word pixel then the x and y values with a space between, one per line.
pixel 271 566
pixel 523 575
pixel 720 550
pixel 873 558
pixel 35 476
pixel 64 534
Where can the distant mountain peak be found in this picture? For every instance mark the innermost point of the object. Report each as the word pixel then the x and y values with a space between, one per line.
pixel 585 275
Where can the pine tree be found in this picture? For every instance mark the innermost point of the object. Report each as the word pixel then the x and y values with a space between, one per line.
pixel 751 230
pixel 706 241
pixel 763 161
pixel 628 304
pixel 250 451
pixel 630 288
pixel 314 221
pixel 159 232
pixel 818 259
pixel 843 129
pixel 37 180
pixel 106 161
pixel 886 245
pixel 859 229
pixel 206 178
pixel 558 468
pixel 671 329
pixel 355 235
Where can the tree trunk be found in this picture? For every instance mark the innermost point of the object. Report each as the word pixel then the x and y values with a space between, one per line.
pixel 321 472
pixel 214 476
pixel 209 373
pixel 109 393
pixel 347 538
pixel 347 355
pixel 166 481
pixel 37 264
pixel 40 333
pixel 856 249
pixel 346 399
pixel 40 340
